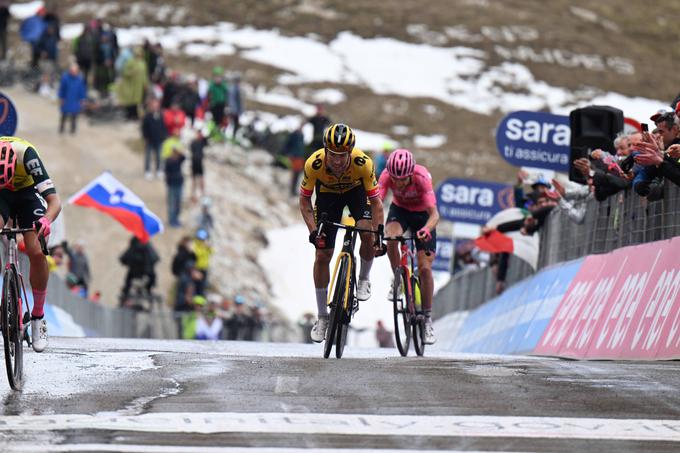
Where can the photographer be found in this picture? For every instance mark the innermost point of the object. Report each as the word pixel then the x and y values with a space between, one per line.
pixel 650 153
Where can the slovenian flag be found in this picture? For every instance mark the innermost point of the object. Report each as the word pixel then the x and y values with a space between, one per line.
pixel 108 195
pixel 524 247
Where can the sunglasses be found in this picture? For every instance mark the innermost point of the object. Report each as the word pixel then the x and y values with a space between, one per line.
pixel 335 153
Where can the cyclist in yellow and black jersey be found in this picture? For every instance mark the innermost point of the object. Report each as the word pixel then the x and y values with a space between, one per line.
pixel 27 194
pixel 341 175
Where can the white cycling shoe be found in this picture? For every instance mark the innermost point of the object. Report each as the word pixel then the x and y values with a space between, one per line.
pixel 318 332
pixel 39 334
pixel 364 290
pixel 429 333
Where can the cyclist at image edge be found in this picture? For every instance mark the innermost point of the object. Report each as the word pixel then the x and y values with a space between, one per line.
pixel 341 175
pixel 413 207
pixel 27 193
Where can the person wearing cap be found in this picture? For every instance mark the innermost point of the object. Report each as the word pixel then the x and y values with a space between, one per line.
pixel 650 152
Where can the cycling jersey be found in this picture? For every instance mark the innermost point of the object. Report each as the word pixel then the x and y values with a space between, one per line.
pixel 359 173
pixel 417 196
pixel 29 171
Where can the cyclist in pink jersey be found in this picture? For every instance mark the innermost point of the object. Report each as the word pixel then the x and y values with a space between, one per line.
pixel 414 207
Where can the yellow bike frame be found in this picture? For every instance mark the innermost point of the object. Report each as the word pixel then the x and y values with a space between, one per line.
pixel 347 280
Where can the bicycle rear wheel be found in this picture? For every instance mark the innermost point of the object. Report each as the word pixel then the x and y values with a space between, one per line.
pixel 12 335
pixel 336 315
pixel 402 327
pixel 419 325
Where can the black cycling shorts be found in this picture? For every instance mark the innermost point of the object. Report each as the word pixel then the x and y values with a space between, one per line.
pixel 413 220
pixel 26 205
pixel 334 203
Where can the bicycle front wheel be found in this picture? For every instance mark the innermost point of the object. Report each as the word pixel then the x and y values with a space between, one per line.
pixel 418 326
pixel 343 327
pixel 11 330
pixel 337 307
pixel 400 296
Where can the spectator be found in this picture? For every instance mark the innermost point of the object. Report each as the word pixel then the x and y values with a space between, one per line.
pixel 105 56
pixel 174 119
pixel 319 122
pixel 235 104
pixel 182 265
pixel 174 180
pixel 4 23
pixel 31 30
pixel 238 321
pixel 208 324
pixel 140 259
pixel 383 336
pixel 294 149
pixel 380 158
pixel 218 95
pixel 78 265
pixel 171 90
pixel 203 252
pixel 85 48
pixel 197 147
pixel 648 181
pixel 574 201
pixel 189 99
pixel 72 94
pixel 205 218
pixel 306 324
pixel 154 133
pixel 132 85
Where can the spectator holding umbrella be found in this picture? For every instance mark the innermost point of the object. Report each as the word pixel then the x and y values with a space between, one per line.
pixel 31 30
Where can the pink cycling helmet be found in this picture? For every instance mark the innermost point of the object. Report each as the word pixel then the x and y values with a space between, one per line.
pixel 8 161
pixel 401 163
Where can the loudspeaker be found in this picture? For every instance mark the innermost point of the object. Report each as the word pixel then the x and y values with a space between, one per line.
pixel 592 127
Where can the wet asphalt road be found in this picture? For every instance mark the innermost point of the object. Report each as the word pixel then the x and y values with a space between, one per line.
pixel 142 395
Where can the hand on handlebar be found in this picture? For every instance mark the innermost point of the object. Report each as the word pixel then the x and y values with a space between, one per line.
pixel 42 226
pixel 319 240
pixel 424 234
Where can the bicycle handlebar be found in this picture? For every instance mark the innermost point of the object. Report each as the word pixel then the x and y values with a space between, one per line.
pixel 43 242
pixel 403 240
pixel 323 220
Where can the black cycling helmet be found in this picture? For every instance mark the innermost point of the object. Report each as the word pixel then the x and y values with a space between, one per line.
pixel 339 138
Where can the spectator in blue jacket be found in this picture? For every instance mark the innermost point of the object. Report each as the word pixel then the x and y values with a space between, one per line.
pixel 72 94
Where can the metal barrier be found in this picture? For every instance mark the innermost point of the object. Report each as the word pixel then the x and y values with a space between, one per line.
pixel 621 220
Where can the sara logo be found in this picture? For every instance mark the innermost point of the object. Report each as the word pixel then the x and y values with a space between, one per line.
pixel 8 116
pixel 461 200
pixel 535 139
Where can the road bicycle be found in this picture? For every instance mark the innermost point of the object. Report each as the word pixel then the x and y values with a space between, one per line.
pixel 14 326
pixel 409 319
pixel 342 292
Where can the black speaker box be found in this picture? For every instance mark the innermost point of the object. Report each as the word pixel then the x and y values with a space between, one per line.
pixel 592 127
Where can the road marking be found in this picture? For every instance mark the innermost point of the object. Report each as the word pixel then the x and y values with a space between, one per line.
pixel 286 384
pixel 128 448
pixel 357 425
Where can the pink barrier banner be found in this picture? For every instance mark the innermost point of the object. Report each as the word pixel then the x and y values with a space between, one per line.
pixel 622 305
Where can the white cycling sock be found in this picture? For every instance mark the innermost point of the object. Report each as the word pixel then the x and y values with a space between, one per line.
pixel 321 299
pixel 365 269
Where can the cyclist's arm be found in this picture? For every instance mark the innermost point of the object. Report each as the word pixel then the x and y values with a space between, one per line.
pixel 307 189
pixel 433 218
pixel 53 206
pixel 42 183
pixel 35 167
pixel 384 184
pixel 377 212
pixel 307 212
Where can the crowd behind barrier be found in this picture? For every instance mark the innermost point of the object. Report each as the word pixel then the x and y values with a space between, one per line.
pixel 621 220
